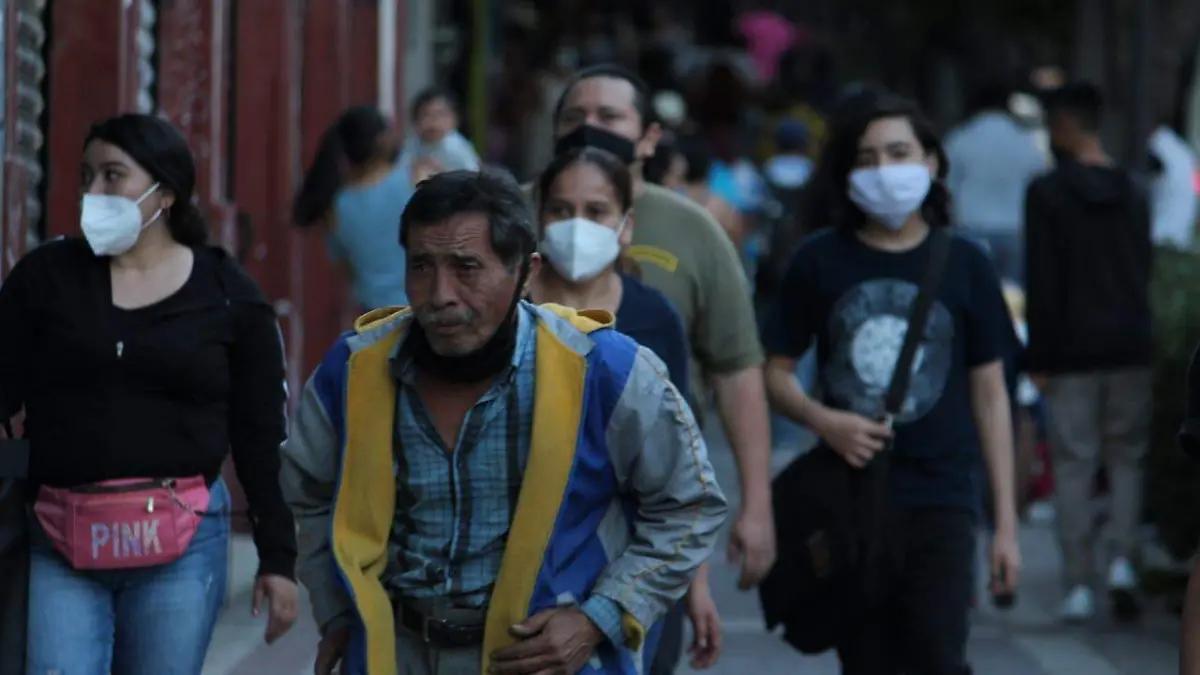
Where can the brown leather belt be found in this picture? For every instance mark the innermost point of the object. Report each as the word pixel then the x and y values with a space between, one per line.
pixel 438 632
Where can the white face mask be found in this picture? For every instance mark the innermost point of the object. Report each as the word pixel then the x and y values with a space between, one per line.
pixel 891 193
pixel 112 223
pixel 580 248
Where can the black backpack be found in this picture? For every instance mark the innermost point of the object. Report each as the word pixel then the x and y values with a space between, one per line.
pixel 829 516
pixel 778 235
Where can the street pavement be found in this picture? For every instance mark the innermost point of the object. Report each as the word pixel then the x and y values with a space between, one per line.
pixel 1025 640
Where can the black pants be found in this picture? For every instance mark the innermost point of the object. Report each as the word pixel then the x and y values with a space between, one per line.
pixel 670 643
pixel 921 629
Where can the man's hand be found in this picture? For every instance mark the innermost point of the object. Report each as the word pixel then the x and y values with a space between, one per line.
pixel 706 627
pixel 853 436
pixel 556 641
pixel 284 601
pixel 331 650
pixel 752 543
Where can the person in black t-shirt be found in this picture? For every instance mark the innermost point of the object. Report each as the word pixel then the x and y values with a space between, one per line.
pixel 585 201
pixel 851 287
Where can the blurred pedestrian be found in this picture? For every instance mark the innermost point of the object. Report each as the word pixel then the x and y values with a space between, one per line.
pixel 1174 200
pixel 1088 264
pixel 993 158
pixel 435 120
pixel 354 192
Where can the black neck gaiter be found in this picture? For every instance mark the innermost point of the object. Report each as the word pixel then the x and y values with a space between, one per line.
pixel 488 361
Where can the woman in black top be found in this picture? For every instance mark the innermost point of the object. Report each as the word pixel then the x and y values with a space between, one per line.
pixel 140 353
pixel 585 211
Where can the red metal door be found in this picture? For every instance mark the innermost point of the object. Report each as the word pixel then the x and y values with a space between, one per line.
pixel 328 61
pixel 194 43
pixel 93 74
pixel 265 155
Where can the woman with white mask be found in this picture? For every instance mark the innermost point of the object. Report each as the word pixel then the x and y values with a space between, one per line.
pixel 585 210
pixel 142 358
pixel 850 288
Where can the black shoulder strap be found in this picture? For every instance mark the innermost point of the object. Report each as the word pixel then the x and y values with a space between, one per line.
pixel 939 250
pixel 872 490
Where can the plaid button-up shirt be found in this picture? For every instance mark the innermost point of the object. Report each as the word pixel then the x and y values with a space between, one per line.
pixel 454 505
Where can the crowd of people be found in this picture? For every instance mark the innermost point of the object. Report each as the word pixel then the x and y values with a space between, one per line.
pixel 501 465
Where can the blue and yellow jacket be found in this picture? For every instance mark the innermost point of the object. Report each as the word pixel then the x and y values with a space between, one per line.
pixel 618 497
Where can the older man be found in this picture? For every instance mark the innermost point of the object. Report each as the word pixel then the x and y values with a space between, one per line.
pixel 483 485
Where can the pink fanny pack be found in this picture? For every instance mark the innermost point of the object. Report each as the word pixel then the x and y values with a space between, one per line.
pixel 120 524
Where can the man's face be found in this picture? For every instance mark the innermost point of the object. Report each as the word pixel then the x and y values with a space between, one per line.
pixel 434 120
pixel 607 103
pixel 459 288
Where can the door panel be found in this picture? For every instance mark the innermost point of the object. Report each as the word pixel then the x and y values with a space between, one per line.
pixel 328 61
pixel 93 44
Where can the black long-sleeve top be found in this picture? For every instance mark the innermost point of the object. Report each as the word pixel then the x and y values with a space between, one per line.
pixel 164 391
pixel 1088 261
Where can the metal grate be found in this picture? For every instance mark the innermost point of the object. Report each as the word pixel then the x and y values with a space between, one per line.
pixel 147 39
pixel 31 68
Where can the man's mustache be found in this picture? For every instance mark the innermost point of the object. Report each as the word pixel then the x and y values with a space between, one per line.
pixel 446 318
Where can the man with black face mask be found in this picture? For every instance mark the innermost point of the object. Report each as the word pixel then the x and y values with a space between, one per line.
pixel 486 485
pixel 685 254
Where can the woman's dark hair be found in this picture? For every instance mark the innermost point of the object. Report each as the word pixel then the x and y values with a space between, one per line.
pixel 163 152
pixel 608 164
pixel 699 157
pixel 353 139
pixel 613 169
pixel 827 200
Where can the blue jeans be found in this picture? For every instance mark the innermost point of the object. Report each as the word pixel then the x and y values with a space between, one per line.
pixel 152 621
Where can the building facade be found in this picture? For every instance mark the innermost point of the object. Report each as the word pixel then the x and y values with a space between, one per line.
pixel 253 86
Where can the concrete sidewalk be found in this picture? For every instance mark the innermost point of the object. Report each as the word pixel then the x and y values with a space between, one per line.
pixel 1026 640
pixel 238 647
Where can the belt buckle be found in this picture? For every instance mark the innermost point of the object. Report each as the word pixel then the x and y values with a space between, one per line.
pixel 428 623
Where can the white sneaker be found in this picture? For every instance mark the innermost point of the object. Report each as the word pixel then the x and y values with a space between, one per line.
pixel 1041 513
pixel 1078 606
pixel 1123 588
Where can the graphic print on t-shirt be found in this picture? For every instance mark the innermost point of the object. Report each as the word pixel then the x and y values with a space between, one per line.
pixel 866 331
